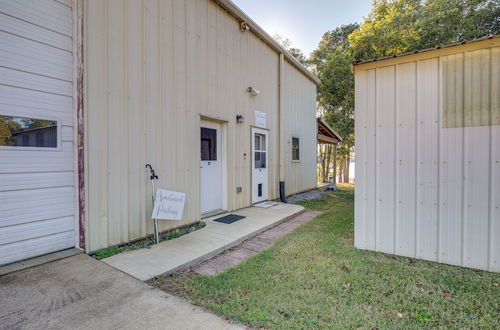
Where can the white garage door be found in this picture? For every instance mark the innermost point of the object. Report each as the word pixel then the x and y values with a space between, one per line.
pixel 36 129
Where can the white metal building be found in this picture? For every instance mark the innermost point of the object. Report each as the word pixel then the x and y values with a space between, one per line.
pixel 428 155
pixel 91 91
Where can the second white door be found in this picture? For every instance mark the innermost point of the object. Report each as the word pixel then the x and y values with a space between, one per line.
pixel 259 165
pixel 211 168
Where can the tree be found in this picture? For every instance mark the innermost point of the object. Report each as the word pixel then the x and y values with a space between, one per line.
pixel 399 26
pixel 392 27
pixel 295 52
pixel 331 62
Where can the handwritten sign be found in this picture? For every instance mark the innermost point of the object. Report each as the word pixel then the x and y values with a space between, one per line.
pixel 260 119
pixel 169 205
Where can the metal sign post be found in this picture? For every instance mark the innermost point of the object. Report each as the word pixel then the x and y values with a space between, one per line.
pixel 154 177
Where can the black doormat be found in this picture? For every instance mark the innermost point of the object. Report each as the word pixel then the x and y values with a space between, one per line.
pixel 229 218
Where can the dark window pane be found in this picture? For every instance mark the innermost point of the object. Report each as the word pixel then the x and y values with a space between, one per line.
pixel 28 132
pixel 295 149
pixel 260 159
pixel 208 144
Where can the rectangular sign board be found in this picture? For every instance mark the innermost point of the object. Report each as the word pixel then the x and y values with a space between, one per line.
pixel 260 119
pixel 169 205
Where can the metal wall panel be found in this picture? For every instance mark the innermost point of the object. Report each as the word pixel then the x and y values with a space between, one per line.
pixel 154 69
pixel 437 156
pixel 299 114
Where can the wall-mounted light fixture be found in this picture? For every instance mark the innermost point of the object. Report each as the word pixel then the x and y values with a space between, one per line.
pixel 240 119
pixel 253 91
pixel 244 27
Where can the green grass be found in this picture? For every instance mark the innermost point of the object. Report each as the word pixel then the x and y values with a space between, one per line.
pixel 313 277
pixel 145 243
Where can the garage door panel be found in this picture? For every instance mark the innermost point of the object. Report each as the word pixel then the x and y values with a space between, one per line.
pixel 22 161
pixel 26 103
pixel 31 81
pixel 37 192
pixel 30 56
pixel 36 229
pixel 31 248
pixel 44 13
pixel 18 207
pixel 24 181
pixel 29 31
pixel 67 134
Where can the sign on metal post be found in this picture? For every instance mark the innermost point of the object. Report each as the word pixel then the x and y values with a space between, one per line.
pixel 169 205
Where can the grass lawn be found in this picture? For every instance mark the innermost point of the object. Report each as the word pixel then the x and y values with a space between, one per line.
pixel 315 278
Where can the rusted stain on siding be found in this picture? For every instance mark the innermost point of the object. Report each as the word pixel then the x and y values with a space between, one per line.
pixel 80 124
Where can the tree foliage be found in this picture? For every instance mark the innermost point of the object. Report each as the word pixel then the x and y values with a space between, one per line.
pixel 392 27
pixel 399 26
pixel 295 52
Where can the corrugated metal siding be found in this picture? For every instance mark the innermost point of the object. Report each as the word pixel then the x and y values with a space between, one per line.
pixel 299 115
pixel 153 67
pixel 428 158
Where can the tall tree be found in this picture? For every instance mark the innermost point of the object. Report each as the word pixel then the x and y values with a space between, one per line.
pixel 392 27
pixel 331 62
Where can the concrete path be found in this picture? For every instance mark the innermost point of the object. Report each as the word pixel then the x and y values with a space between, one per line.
pixel 252 246
pixel 178 254
pixel 82 293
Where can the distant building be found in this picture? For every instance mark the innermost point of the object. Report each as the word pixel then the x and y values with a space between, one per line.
pixel 37 137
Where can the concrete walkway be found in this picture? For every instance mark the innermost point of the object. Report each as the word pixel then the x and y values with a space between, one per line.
pixel 183 252
pixel 252 246
pixel 80 292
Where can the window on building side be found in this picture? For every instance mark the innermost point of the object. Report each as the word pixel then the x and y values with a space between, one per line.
pixel 295 149
pixel 28 132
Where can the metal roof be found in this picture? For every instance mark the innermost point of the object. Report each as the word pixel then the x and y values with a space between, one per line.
pixel 427 49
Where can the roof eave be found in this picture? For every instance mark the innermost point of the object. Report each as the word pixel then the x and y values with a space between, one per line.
pixel 270 41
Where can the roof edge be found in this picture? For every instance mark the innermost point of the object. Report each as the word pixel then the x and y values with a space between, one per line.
pixel 427 50
pixel 235 11
pixel 323 121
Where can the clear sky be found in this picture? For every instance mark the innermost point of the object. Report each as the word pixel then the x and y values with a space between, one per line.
pixel 304 21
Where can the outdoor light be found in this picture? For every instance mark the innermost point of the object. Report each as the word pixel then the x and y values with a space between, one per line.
pixel 240 119
pixel 253 91
pixel 244 27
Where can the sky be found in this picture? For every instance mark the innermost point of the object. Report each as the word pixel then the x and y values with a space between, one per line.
pixel 304 21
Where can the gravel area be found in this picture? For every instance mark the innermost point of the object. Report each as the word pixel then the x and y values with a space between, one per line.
pixel 313 194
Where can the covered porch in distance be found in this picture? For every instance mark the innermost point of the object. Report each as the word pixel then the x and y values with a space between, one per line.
pixel 328 140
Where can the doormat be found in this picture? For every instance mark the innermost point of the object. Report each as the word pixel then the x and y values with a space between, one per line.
pixel 266 205
pixel 230 218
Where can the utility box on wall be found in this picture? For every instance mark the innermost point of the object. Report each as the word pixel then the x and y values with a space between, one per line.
pixel 428 155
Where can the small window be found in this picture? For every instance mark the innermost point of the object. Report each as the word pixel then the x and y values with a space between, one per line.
pixel 260 159
pixel 28 132
pixel 295 149
pixel 208 144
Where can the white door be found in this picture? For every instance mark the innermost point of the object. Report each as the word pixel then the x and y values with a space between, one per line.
pixel 211 167
pixel 259 165
pixel 37 196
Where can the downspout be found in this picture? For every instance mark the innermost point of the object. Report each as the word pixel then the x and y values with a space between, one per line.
pixel 281 135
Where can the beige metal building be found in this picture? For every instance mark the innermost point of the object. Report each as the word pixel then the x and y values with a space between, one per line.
pixel 428 155
pixel 194 88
